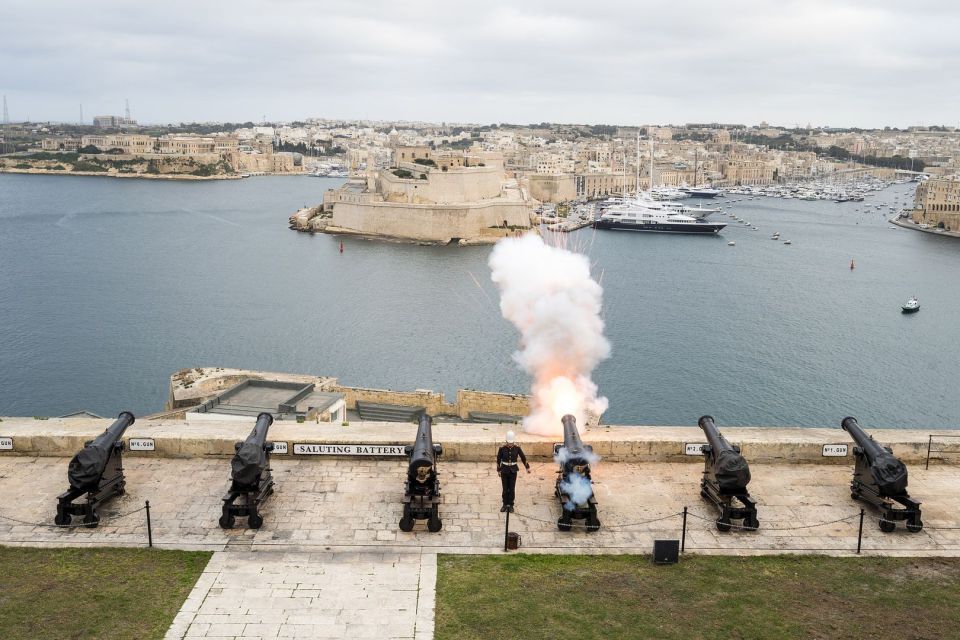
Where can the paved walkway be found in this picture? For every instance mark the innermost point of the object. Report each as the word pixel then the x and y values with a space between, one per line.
pixel 354 505
pixel 271 594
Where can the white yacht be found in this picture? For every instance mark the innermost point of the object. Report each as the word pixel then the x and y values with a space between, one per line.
pixel 636 216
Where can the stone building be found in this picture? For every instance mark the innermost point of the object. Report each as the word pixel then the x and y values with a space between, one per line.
pixel 937 203
pixel 431 197
pixel 186 145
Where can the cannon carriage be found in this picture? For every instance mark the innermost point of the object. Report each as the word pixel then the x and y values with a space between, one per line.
pixel 574 487
pixel 421 490
pixel 96 470
pixel 726 475
pixel 880 478
pixel 251 478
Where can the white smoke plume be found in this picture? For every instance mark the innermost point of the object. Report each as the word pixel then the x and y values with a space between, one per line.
pixel 578 489
pixel 548 294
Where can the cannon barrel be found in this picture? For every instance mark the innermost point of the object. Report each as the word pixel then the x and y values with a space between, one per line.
pixel 717 442
pixel 887 470
pixel 730 468
pixel 86 468
pixel 250 460
pixel 422 454
pixel 576 452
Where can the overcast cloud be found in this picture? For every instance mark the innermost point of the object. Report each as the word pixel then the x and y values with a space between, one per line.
pixel 840 63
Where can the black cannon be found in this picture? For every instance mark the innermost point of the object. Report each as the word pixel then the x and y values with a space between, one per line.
pixel 574 487
pixel 726 475
pixel 880 478
pixel 250 476
pixel 421 491
pixel 96 470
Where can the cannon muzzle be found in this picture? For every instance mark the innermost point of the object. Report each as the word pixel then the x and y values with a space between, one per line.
pixel 576 453
pixel 887 470
pixel 423 452
pixel 86 468
pixel 729 467
pixel 250 460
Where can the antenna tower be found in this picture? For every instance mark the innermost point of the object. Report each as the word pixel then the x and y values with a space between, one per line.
pixel 6 113
pixel 81 113
pixel 128 109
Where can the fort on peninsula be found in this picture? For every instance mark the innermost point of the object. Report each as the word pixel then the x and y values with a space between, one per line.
pixel 426 197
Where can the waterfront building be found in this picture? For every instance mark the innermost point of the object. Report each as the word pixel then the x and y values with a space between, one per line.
pixel 427 196
pixel 937 203
pixel 186 145
pixel 113 122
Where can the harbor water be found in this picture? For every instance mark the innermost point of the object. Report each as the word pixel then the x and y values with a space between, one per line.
pixel 108 286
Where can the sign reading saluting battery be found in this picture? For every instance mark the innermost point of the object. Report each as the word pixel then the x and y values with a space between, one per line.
pixel 348 449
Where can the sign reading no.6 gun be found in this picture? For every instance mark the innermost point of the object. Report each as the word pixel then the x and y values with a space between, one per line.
pixel 348 449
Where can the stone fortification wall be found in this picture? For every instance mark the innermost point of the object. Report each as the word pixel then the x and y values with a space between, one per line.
pixel 467 402
pixel 471 442
pixel 512 404
pixel 477 222
pixel 190 387
pixel 454 185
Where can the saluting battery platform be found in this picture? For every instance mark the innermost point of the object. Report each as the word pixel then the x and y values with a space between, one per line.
pixel 96 470
pixel 251 479
pixel 726 475
pixel 880 478
pixel 421 491
pixel 574 487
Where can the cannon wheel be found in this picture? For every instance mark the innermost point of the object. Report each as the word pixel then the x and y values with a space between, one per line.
pixel 255 520
pixel 91 520
pixel 434 524
pixel 723 524
pixel 854 495
pixel 593 523
pixel 887 526
pixel 564 523
pixel 226 521
pixel 751 523
pixel 914 525
pixel 121 488
pixel 62 519
pixel 406 522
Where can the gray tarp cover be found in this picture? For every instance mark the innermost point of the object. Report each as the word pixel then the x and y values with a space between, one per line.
pixel 248 463
pixel 87 466
pixel 733 472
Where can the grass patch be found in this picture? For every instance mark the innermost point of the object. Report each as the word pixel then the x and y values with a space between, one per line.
pixel 93 593
pixel 582 597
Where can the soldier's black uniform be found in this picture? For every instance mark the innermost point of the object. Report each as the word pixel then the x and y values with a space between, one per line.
pixel 507 468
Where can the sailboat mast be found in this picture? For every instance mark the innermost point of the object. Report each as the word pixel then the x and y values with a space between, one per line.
pixel 638 161
pixel 651 160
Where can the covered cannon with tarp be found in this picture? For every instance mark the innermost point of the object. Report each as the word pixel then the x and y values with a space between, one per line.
pixel 251 480
pixel 574 488
pixel 880 478
pixel 96 470
pixel 421 491
pixel 726 475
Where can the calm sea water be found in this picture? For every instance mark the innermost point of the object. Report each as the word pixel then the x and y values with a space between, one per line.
pixel 108 286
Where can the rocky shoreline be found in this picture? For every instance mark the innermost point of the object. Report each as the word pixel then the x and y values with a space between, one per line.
pixel 116 174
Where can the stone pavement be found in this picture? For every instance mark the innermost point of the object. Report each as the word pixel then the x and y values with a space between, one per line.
pixel 271 594
pixel 353 504
pixel 330 560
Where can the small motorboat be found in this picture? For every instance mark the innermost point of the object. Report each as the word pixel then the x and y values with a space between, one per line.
pixel 787 242
pixel 912 306
pixel 731 244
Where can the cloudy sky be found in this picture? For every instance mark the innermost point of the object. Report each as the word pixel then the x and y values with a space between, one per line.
pixel 830 62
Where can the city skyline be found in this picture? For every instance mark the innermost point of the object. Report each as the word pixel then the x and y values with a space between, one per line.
pixel 833 64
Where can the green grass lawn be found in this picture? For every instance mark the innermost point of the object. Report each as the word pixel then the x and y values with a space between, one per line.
pixel 582 597
pixel 93 593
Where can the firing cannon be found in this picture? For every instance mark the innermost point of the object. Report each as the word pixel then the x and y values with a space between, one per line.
pixel 421 491
pixel 574 487
pixel 96 470
pixel 251 479
pixel 880 478
pixel 726 475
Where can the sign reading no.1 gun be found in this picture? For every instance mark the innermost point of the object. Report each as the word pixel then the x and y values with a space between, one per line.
pixel 348 450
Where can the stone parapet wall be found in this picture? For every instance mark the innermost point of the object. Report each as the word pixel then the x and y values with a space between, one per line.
pixel 473 442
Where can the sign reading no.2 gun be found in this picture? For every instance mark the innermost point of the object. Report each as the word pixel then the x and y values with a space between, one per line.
pixel 348 449
pixel 694 449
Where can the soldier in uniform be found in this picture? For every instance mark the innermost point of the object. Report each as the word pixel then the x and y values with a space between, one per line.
pixel 507 468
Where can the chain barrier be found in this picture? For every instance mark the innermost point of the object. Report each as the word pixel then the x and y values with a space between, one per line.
pixel 606 526
pixel 768 528
pixel 101 521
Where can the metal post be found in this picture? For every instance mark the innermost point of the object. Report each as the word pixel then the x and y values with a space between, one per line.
pixel 929 444
pixel 683 536
pixel 506 532
pixel 149 527
pixel 860 534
